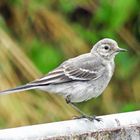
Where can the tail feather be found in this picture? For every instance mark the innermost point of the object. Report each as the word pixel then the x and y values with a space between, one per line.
pixel 17 89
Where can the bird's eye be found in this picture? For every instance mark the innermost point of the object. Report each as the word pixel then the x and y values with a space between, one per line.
pixel 106 47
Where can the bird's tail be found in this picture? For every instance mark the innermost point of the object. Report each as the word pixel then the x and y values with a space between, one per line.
pixel 17 89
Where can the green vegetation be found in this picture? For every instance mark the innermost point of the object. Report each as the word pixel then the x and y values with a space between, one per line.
pixel 36 36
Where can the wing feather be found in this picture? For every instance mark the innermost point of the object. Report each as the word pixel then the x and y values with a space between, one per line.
pixel 87 69
pixel 67 74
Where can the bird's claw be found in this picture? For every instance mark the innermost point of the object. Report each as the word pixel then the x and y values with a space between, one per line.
pixel 91 118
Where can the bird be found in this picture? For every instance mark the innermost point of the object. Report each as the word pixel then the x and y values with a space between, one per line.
pixel 80 78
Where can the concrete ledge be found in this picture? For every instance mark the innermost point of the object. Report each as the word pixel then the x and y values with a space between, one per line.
pixel 115 126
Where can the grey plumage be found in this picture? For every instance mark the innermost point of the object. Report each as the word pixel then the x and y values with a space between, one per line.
pixel 80 78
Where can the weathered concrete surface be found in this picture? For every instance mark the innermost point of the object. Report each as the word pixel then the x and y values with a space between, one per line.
pixel 123 126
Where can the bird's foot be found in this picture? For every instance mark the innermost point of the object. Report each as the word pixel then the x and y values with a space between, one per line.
pixel 91 118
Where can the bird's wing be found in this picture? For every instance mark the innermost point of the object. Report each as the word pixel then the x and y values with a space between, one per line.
pixel 71 71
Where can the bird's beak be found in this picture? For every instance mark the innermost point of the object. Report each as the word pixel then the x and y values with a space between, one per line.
pixel 121 50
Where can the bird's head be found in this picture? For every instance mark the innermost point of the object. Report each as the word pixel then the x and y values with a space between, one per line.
pixel 107 48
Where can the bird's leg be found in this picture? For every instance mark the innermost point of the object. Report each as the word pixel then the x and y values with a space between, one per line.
pixel 68 101
pixel 83 115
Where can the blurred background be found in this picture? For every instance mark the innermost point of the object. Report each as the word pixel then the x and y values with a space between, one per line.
pixel 36 36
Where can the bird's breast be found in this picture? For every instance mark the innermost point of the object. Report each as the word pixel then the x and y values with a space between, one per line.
pixel 110 68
